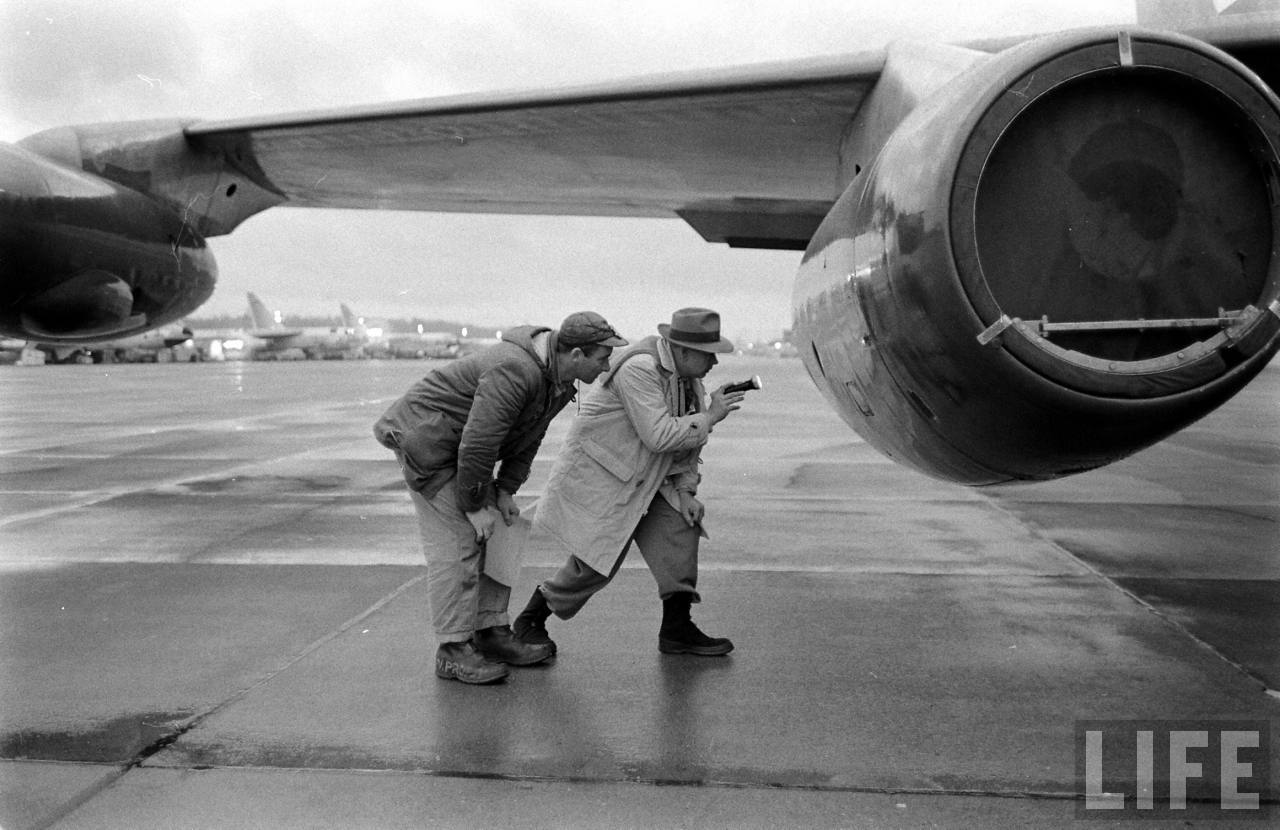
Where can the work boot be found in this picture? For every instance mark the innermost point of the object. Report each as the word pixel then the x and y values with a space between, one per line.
pixel 461 661
pixel 498 643
pixel 679 635
pixel 531 624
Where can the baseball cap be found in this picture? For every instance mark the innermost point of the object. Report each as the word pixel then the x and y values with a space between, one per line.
pixel 586 328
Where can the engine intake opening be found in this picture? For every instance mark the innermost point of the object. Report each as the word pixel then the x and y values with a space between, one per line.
pixel 1102 196
pixel 1109 201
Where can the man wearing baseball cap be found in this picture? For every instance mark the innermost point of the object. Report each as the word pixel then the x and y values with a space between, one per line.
pixel 628 472
pixel 449 431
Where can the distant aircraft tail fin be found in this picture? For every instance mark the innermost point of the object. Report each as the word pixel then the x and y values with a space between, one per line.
pixel 262 318
pixel 349 318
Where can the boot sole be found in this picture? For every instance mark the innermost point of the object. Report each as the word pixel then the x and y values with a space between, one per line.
pixel 544 641
pixel 523 663
pixel 673 647
pixel 481 680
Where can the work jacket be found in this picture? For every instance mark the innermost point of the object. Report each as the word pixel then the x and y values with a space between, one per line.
pixel 468 415
pixel 639 432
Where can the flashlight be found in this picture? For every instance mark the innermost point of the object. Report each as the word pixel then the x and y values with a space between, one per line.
pixel 743 386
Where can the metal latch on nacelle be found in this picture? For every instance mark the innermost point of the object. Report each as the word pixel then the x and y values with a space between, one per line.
pixel 1231 323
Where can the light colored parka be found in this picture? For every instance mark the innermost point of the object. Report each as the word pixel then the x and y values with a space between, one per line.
pixel 627 443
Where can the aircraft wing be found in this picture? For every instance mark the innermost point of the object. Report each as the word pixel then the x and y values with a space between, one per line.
pixel 749 154
pixel 274 335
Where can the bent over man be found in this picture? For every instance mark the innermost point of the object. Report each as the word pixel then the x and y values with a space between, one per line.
pixel 628 472
pixel 448 432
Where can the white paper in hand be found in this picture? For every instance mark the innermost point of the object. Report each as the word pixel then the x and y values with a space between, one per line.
pixel 504 552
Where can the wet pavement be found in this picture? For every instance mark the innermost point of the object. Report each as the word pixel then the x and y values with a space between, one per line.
pixel 214 616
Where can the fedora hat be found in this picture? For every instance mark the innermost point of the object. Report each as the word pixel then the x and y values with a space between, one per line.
pixel 695 328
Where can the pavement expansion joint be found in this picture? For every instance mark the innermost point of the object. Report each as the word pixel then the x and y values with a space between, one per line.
pixel 165 741
pixel 638 781
pixel 1114 584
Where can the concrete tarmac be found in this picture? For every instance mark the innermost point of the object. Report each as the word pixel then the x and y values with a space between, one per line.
pixel 214 616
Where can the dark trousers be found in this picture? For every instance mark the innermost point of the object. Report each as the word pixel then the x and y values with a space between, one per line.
pixel 668 545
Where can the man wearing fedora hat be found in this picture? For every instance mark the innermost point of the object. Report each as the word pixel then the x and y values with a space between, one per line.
pixel 628 472
pixel 449 431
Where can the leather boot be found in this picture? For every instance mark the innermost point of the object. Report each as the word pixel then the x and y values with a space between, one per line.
pixel 679 635
pixel 530 626
pixel 461 661
pixel 498 643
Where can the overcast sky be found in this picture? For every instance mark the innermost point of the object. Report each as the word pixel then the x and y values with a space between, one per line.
pixel 77 62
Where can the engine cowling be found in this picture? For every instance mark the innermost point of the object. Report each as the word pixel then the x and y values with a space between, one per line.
pixel 83 258
pixel 1065 255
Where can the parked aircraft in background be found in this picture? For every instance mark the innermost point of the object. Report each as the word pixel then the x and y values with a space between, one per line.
pixel 225 343
pixel 1022 259
pixel 469 343
pixel 371 337
pixel 420 344
pixel 380 343
pixel 356 324
pixel 279 342
pixel 439 345
pixel 155 346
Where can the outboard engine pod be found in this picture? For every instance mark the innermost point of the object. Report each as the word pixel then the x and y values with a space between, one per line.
pixel 1114 217
pixel 1066 254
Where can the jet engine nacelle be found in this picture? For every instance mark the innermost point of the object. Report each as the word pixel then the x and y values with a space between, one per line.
pixel 83 258
pixel 1066 255
pixel 102 228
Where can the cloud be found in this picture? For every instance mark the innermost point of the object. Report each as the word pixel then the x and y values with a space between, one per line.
pixel 84 60
pixel 89 62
